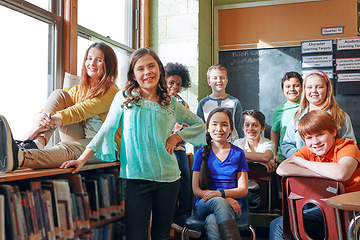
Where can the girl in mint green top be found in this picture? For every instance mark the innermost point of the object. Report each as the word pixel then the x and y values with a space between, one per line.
pixel 145 128
pixel 147 115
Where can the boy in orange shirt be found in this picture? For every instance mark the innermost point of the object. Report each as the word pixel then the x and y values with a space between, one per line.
pixel 325 155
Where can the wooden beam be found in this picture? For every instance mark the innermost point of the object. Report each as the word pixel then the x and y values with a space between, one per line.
pixel 70 35
pixel 144 23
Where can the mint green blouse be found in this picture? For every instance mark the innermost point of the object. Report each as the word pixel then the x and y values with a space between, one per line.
pixel 145 127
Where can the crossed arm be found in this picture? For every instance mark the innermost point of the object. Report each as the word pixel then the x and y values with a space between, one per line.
pixel 297 166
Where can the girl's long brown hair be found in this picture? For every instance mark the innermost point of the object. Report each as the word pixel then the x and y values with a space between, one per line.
pixel 132 89
pixel 329 103
pixel 87 91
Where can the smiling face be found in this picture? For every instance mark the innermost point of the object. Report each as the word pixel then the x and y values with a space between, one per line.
pixel 320 143
pixel 252 128
pixel 292 90
pixel 174 83
pixel 147 73
pixel 219 127
pixel 315 91
pixel 95 64
pixel 217 80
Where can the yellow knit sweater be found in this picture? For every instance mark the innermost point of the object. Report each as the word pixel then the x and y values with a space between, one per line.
pixel 81 111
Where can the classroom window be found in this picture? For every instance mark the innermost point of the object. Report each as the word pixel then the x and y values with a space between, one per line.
pixel 31 49
pixel 44 4
pixel 27 63
pixel 111 22
pixel 110 18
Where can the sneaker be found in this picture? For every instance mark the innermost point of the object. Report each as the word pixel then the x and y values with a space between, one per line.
pixel 8 148
pixel 28 144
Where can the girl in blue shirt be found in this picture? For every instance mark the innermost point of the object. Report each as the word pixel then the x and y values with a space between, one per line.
pixel 219 178
pixel 147 115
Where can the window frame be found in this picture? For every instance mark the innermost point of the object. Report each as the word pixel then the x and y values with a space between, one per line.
pixel 54 20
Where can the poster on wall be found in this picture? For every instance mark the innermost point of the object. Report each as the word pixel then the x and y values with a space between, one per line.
pixel 348 44
pixel 349 77
pixel 318 55
pixel 317 61
pixel 347 65
pixel 318 46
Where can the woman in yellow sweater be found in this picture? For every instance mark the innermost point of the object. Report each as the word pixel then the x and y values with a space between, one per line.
pixel 78 114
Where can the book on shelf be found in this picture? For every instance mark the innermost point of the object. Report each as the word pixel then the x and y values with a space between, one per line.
pixel 48 185
pixel 92 190
pixel 2 217
pixel 63 206
pixel 28 214
pixel 80 212
pixel 23 228
pixel 103 194
pixel 117 189
pixel 11 226
pixel 113 184
pixel 60 206
pixel 77 187
pixel 50 213
pixel 62 191
pixel 36 202
pixel 75 211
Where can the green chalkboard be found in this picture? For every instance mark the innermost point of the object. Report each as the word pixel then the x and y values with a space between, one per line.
pixel 255 75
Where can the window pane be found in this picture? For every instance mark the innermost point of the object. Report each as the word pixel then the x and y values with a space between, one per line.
pixel 122 57
pixel 24 67
pixel 108 18
pixel 45 4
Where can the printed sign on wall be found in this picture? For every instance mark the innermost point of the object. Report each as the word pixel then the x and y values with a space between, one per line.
pixel 317 46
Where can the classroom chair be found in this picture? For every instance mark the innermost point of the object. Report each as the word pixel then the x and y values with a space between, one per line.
pixel 269 195
pixel 298 191
pixel 243 223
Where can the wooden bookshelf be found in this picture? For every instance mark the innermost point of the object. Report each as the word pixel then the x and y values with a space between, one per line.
pixel 26 173
pixel 98 223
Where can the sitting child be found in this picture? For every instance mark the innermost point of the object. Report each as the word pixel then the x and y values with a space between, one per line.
pixel 219 178
pixel 257 148
pixel 325 155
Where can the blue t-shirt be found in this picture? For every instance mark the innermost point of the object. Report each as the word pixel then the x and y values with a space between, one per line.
pixel 223 173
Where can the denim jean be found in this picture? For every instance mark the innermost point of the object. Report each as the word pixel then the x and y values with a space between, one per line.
pixel 144 197
pixel 184 193
pixel 314 224
pixel 214 211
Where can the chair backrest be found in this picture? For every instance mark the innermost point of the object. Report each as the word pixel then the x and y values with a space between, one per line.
pixel 298 191
pixel 269 196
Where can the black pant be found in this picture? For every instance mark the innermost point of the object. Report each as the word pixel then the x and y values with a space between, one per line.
pixel 143 197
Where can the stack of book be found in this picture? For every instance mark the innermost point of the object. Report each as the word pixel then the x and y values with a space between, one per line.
pixel 56 207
